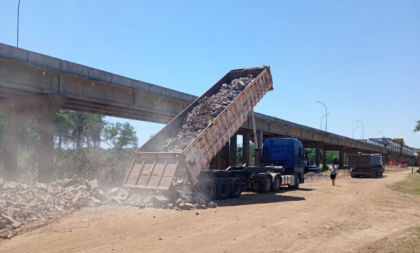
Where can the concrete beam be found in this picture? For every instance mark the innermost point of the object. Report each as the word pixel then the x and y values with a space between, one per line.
pixel 341 158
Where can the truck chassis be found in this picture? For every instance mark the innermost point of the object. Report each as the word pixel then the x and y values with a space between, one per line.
pixel 374 171
pixel 230 183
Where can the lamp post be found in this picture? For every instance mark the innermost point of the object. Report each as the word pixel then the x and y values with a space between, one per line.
pixel 326 118
pixel 17 39
pixel 320 125
pixel 380 132
pixel 354 129
pixel 363 129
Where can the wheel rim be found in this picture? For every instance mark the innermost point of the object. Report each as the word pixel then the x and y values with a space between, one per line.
pixel 208 190
pixel 277 183
pixel 236 188
pixel 267 181
pixel 224 189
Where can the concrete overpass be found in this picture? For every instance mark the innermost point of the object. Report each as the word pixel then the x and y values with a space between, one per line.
pixel 33 84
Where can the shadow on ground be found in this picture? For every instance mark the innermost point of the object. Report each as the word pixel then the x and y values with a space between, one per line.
pixel 261 198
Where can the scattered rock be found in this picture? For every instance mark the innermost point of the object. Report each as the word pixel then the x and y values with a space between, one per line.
pixel 212 205
pixel 201 207
pixel 185 206
pixel 161 200
pixel 197 213
pixel 94 184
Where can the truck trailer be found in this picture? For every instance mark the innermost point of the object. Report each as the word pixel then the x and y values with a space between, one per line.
pixel 175 149
pixel 365 165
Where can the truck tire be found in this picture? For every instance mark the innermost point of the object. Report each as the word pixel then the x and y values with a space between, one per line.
pixel 208 188
pixel 266 184
pixel 275 187
pixel 235 187
pixel 222 188
pixel 297 181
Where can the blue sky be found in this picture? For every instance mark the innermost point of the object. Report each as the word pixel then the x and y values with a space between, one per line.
pixel 361 58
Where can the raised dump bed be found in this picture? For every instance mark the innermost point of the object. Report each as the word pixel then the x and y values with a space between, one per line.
pixel 154 169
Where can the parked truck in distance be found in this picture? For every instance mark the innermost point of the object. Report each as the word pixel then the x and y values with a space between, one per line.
pixel 365 165
pixel 282 163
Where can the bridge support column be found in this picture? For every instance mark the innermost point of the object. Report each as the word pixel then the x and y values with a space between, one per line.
pixel 324 158
pixel 341 158
pixel 245 148
pixel 259 144
pixel 43 106
pixel 233 146
pixel 317 154
pixel 10 147
pixel 46 147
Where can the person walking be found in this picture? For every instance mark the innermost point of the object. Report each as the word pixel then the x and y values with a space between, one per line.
pixel 333 173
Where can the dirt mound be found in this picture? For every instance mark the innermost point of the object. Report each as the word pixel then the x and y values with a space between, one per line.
pixel 313 175
pixel 25 207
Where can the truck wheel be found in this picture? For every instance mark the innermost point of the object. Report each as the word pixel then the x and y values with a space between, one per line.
pixel 296 186
pixel 275 187
pixel 208 188
pixel 222 188
pixel 235 187
pixel 266 184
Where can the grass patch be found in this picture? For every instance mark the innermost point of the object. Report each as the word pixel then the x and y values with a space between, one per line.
pixel 411 185
pixel 409 244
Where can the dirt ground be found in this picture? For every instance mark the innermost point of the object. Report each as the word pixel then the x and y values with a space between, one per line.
pixel 349 217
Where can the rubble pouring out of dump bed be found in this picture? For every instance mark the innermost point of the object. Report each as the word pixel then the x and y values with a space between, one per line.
pixel 169 163
pixel 204 113
pixel 198 119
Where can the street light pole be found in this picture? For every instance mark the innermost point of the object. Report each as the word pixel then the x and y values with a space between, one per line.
pixel 17 39
pixel 322 119
pixel 381 133
pixel 326 118
pixel 363 127
pixel 354 129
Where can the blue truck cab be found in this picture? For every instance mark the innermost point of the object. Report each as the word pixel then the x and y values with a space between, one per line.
pixel 287 153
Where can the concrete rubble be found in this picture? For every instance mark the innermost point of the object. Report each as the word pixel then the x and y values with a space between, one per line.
pixel 204 113
pixel 25 207
pixel 194 123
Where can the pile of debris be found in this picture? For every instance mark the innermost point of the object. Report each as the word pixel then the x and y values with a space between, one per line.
pixel 313 175
pixel 194 123
pixel 204 113
pixel 24 207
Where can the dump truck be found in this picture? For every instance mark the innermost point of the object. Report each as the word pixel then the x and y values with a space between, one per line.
pixel 365 165
pixel 159 159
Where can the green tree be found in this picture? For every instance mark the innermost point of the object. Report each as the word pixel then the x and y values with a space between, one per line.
pixel 63 124
pixel 417 127
pixel 239 160
pixel 87 129
pixel 120 136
